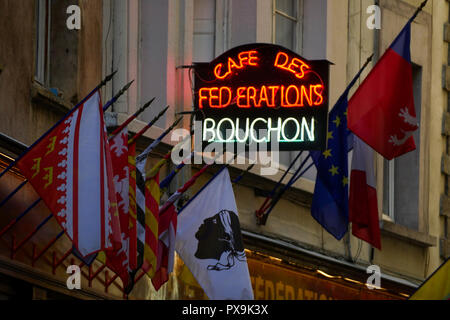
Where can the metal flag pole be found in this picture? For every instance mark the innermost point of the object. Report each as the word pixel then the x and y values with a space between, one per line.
pixel 173 198
pixel 148 126
pixel 110 102
pixel 165 183
pixel 149 149
pixel 36 256
pixel 19 217
pixel 13 193
pixel 419 9
pixel 117 96
pixel 263 207
pixel 262 218
pixel 15 248
pixel 163 161
pixel 131 118
pixel 262 215
pixel 239 178
pixel 100 85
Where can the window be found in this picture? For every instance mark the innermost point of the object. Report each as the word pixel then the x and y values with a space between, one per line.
pixel 287 33
pixel 43 17
pixel 401 175
pixel 204 30
pixel 286 24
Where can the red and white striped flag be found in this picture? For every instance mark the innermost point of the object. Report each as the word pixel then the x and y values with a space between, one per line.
pixel 363 206
pixel 71 170
pixel 132 217
pixel 118 260
pixel 166 243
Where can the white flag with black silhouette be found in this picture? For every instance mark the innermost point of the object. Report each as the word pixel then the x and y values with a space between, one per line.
pixel 209 241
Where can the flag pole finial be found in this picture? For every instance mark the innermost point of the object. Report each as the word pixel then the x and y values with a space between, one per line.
pixel 107 79
pixel 419 9
pixel 100 85
pixel 148 126
pixel 131 118
pixel 117 96
pixel 369 59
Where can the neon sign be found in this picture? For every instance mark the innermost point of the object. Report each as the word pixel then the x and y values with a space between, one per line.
pixel 259 93
pixel 244 58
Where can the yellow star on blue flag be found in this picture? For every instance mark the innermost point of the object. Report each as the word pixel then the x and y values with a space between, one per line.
pixel 330 201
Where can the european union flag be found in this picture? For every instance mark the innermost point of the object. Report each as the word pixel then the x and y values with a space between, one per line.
pixel 330 200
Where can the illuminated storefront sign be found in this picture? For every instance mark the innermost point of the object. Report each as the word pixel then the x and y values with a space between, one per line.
pixel 262 93
pixel 271 280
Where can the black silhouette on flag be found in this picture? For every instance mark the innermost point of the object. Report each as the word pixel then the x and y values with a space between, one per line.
pixel 217 235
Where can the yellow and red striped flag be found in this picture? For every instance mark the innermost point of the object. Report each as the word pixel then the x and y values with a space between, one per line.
pixel 132 245
pixel 152 199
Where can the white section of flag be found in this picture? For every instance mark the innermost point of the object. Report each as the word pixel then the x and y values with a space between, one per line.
pixel 363 204
pixel 217 197
pixel 69 172
pixel 363 160
pixel 89 177
pixel 91 173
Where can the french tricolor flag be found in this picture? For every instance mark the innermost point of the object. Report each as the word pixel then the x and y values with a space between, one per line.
pixel 363 206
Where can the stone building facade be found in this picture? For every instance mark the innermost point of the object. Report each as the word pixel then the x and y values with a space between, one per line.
pixel 46 68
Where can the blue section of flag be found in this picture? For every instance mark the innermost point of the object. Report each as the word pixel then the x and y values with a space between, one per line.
pixel 402 43
pixel 330 200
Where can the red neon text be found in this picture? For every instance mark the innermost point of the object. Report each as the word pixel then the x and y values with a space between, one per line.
pixel 215 97
pixel 266 96
pixel 246 58
pixel 296 66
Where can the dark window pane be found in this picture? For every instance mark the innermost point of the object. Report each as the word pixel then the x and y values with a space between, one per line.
pixel 285 31
pixel 286 6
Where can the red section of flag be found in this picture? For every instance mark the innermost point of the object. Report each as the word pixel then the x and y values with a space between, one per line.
pixel 44 163
pixel 118 260
pixel 70 169
pixel 363 205
pixel 381 112
pixel 152 200
pixel 166 246
pixel 112 220
pixel 132 217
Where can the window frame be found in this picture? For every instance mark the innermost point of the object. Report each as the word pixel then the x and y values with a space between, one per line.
pixel 42 42
pixel 298 35
pixel 214 32
pixel 297 47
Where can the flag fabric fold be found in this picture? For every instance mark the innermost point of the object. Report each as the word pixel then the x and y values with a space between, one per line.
pixel 152 200
pixel 132 216
pixel 166 244
pixel 363 205
pixel 148 200
pixel 209 241
pixel 118 260
pixel 382 112
pixel 330 201
pixel 437 286
pixel 141 196
pixel 70 168
pixel 167 231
